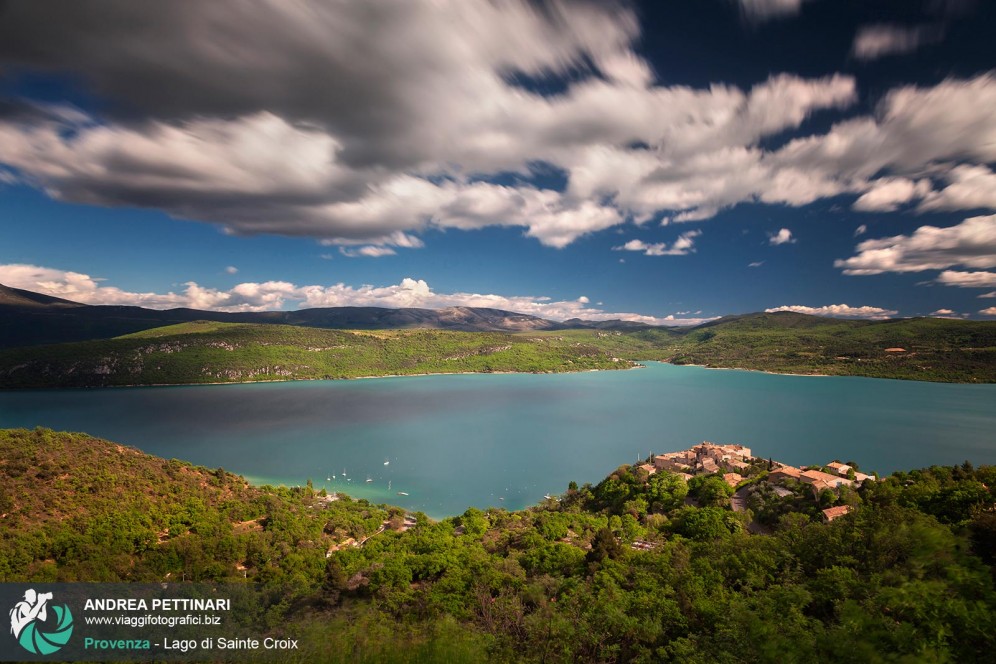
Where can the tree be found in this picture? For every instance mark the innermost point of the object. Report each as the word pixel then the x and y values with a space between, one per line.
pixel 666 491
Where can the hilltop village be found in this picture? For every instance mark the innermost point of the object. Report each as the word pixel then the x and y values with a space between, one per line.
pixel 831 483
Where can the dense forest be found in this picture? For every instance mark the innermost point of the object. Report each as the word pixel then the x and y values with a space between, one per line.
pixel 638 568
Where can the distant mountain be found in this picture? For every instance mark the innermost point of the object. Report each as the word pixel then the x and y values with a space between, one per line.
pixel 614 324
pixel 24 298
pixel 28 319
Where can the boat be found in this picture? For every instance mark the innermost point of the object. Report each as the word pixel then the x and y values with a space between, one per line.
pixel 389 485
pixel 328 479
pixel 386 461
pixel 402 493
pixel 369 479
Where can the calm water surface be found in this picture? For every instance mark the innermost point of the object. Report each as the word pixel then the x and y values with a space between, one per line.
pixel 457 441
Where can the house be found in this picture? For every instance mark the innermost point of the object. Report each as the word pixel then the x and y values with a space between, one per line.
pixel 733 479
pixel 814 476
pixel 708 465
pixel 832 513
pixel 647 467
pixel 839 468
pixel 784 473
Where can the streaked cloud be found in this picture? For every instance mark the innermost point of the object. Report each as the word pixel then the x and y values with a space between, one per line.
pixel 684 245
pixel 972 243
pixel 967 279
pixel 876 41
pixel 766 10
pixel 838 311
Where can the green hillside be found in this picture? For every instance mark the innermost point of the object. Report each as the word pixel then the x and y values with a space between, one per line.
pixel 635 569
pixel 212 352
pixel 932 348
pixel 216 352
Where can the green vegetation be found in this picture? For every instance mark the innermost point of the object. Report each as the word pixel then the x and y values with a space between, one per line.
pixel 211 352
pixel 635 569
pixel 214 352
pixel 933 349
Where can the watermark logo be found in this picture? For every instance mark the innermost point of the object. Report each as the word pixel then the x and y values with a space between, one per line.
pixel 31 627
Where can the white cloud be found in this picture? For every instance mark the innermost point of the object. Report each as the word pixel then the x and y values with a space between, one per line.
pixel 838 311
pixel 784 236
pixel 972 243
pixel 231 269
pixel 684 245
pixel 583 300
pixel 968 187
pixel 755 264
pixel 967 279
pixel 763 10
pixel 398 141
pixel 887 194
pixel 369 251
pixel 989 295
pixel 682 321
pixel 875 41
pixel 277 295
pixel 942 312
pixel 860 230
pixel 990 311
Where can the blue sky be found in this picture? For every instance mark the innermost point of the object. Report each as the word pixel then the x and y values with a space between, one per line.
pixel 667 162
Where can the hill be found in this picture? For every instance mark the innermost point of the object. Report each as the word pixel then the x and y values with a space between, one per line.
pixel 212 352
pixel 934 349
pixel 30 319
pixel 636 568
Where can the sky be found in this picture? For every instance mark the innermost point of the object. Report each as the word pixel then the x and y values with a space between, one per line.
pixel 667 162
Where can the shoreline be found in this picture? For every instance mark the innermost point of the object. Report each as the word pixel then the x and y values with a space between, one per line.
pixel 786 373
pixel 337 380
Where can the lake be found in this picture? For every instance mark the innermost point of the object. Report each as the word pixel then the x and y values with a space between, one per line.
pixel 455 441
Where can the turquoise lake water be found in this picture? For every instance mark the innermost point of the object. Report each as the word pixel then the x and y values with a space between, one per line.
pixel 457 441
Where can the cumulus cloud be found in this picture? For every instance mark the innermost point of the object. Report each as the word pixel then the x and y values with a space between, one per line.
pixel 277 295
pixel 838 311
pixel 887 194
pixel 296 135
pixel 942 312
pixel 972 243
pixel 684 245
pixel 876 41
pixel 977 279
pixel 783 236
pixel 967 187
pixel 990 311
pixel 989 295
pixel 231 269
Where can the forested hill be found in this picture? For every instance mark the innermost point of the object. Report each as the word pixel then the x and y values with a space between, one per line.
pixel 635 569
pixel 210 352
pixel 934 349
